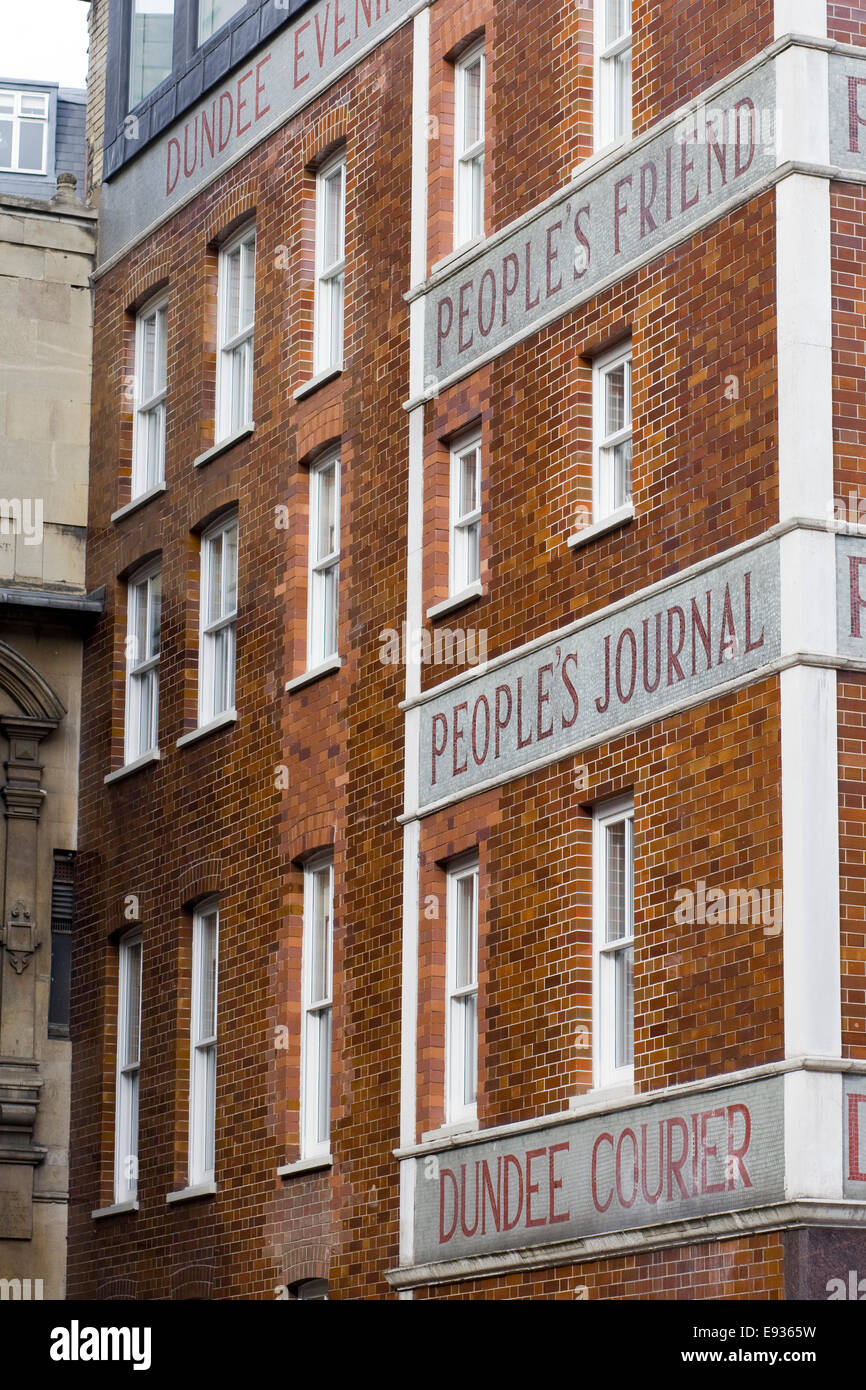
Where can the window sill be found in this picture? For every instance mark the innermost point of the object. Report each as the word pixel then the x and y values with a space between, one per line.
pixel 449 605
pixel 306 1165
pixel 228 716
pixel 153 756
pixel 321 379
pixel 621 517
pixel 119 1209
pixel 446 1131
pixel 140 501
pixel 189 1194
pixel 599 1095
pixel 603 152
pixel 222 446
pixel 325 668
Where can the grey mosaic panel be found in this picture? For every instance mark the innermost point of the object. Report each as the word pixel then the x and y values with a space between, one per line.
pixel 854 1129
pixel 851 596
pixel 662 1162
pixel 847 79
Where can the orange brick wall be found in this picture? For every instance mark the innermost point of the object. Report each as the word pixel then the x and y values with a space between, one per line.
pixel 750 1267
pixel 719 821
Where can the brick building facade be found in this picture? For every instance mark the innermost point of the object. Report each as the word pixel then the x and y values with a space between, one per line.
pixel 476 447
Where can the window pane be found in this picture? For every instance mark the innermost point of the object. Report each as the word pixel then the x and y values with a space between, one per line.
pixel 615 404
pixel 33 105
pixel 236 365
pixel 472 104
pixel 248 287
pixel 210 1109
pixel 138 599
pixel 320 953
pixel 213 14
pixel 155 613
pixel 214 576
pixel 159 368
pixel 232 292
pixel 473 552
pixel 5 144
pixel 468 484
pixel 221 653
pixel 622 473
pixel 616 19
pixel 624 1007
pixel 148 357
pixel 615 925
pixel 326 531
pixel 622 92
pixel 133 1004
pixel 465 941
pixel 207 968
pixel 230 577
pixel 470 1048
pixel 128 1134
pixel 335 318
pixel 150 46
pixel 31 142
pixel 332 250
pixel 7 103
pixel 323 1097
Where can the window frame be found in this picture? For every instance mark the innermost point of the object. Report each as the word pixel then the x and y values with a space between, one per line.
pixel 209 629
pixel 143 477
pixel 319 568
pixel 127 1074
pixel 465 157
pixel 459 525
pixel 606 1072
pixel 126 91
pixel 229 345
pixel 603 489
pixel 17 118
pixel 199 41
pixel 605 56
pixel 137 672
pixel 327 276
pixel 312 1121
pixel 457 1108
pixel 203 1075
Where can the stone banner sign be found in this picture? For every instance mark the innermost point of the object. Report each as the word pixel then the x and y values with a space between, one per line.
pixel 660 1162
pixel 600 225
pixel 847 78
pixel 324 42
pixel 854 1126
pixel 851 595
pixel 613 668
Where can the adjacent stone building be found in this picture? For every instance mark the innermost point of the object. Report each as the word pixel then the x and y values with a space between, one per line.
pixel 472 810
pixel 47 253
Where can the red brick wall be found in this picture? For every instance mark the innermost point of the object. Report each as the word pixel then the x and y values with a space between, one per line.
pixel 703 327
pixel 846 23
pixel 217 800
pixel 681 47
pixel 750 1267
pixel 719 821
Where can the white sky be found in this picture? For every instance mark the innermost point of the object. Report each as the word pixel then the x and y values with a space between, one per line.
pixel 45 40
